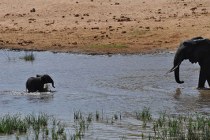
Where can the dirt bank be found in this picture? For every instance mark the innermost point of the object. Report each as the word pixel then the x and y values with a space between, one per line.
pixel 102 26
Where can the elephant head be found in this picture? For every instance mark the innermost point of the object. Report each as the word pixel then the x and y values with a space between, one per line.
pixel 195 50
pixel 34 84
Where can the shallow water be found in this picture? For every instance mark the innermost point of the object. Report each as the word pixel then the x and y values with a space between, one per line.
pixel 116 84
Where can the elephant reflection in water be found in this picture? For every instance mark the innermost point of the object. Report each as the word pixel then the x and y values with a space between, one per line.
pixel 195 50
pixel 196 102
pixel 177 93
pixel 37 83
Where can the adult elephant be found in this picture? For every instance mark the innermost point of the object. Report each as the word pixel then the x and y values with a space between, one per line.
pixel 34 84
pixel 195 50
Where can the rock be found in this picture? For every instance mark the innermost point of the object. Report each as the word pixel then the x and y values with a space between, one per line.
pixel 33 10
pixel 95 28
pixel 123 19
pixel 74 43
pixel 76 15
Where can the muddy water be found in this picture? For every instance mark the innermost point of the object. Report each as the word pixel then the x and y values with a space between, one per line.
pixel 116 84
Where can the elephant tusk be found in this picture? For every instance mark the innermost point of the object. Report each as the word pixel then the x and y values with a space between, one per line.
pixel 171 70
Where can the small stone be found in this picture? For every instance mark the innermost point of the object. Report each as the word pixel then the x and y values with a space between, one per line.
pixel 33 10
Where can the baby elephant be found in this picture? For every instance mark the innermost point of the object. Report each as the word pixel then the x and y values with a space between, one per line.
pixel 34 84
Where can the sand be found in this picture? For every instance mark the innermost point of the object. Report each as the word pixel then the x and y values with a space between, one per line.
pixel 102 26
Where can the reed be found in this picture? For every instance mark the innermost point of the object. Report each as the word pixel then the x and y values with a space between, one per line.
pixel 37 126
pixel 144 115
pixel 166 126
pixel 12 124
pixel 28 57
pixel 97 116
pixel 193 126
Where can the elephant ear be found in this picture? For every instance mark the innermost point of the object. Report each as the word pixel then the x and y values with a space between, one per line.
pixel 198 46
pixel 188 48
pixel 38 75
pixel 46 78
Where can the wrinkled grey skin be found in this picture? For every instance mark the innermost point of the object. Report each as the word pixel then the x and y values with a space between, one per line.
pixel 195 50
pixel 34 84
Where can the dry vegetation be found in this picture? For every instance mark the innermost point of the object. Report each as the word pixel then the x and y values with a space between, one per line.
pixel 77 25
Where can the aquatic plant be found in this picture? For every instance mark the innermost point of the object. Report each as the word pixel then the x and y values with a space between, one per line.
pixel 36 126
pixel 37 121
pixel 28 57
pixel 58 130
pixel 12 124
pixel 144 115
pixel 77 115
pixel 90 118
pixel 181 127
pixel 97 116
pixel 166 126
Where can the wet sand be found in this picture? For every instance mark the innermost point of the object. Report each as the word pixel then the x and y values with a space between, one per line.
pixel 102 27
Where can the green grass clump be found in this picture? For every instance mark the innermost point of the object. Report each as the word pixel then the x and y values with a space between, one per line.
pixel 58 130
pixel 166 126
pixel 194 127
pixel 144 115
pixel 37 121
pixel 28 57
pixel 39 126
pixel 12 124
pixel 81 125
pixel 97 116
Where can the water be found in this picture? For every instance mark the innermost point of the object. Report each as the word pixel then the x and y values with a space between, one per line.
pixel 116 84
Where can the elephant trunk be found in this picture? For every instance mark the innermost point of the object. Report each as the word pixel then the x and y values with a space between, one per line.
pixel 177 61
pixel 176 74
pixel 52 84
pixel 179 57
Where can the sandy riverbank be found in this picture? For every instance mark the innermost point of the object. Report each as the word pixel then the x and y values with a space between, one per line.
pixel 102 26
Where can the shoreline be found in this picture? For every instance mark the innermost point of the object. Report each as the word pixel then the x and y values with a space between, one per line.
pixel 89 53
pixel 102 27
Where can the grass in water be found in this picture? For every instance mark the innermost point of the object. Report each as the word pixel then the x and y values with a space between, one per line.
pixel 28 57
pixel 36 126
pixel 12 124
pixel 43 126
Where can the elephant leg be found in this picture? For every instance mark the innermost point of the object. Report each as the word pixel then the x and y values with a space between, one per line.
pixel 202 79
pixel 205 74
pixel 208 76
pixel 208 80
